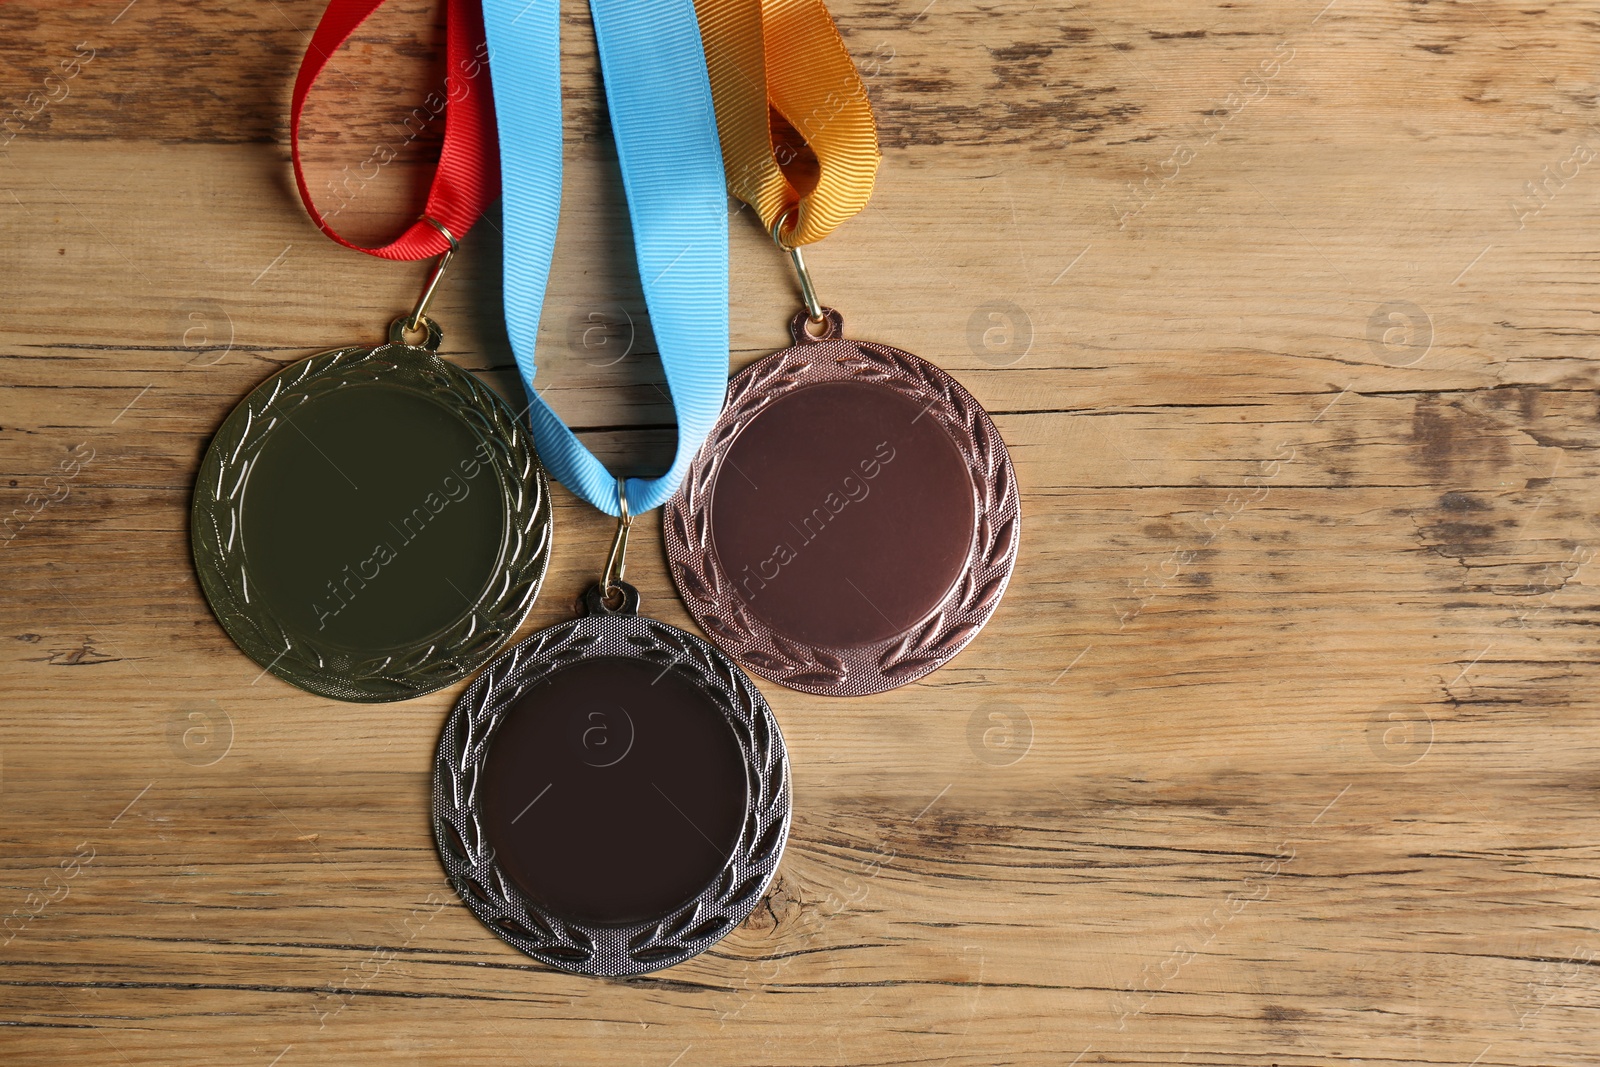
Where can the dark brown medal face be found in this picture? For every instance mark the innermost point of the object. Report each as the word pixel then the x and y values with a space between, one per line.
pixel 852 520
pixel 371 523
pixel 613 793
pixel 848 515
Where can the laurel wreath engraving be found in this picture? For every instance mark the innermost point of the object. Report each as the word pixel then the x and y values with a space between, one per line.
pixel 713 598
pixel 216 530
pixel 469 859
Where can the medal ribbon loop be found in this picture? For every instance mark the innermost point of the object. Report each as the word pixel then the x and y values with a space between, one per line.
pixel 659 99
pixel 467 177
pixel 797 130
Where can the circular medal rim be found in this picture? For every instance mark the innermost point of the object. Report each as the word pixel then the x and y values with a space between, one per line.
pixel 588 948
pixel 429 663
pixel 939 635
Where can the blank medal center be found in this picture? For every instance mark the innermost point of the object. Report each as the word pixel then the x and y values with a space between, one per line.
pixel 614 791
pixel 843 514
pixel 372 519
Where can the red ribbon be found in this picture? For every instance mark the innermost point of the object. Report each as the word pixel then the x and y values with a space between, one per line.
pixel 468 174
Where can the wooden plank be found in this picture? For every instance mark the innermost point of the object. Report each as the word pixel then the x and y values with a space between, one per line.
pixel 1280 749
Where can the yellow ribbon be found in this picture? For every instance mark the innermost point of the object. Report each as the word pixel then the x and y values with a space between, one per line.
pixel 798 141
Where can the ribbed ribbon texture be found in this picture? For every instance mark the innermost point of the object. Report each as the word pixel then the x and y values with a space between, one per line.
pixel 468 176
pixel 797 128
pixel 662 117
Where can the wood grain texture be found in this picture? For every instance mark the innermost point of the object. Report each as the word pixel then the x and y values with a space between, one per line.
pixel 1298 371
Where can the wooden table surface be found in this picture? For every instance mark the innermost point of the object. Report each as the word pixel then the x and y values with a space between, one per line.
pixel 1281 749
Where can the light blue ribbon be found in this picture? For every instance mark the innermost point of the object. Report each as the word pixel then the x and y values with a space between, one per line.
pixel 659 96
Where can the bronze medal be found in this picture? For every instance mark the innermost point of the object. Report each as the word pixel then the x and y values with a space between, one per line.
pixel 612 795
pixel 371 523
pixel 852 520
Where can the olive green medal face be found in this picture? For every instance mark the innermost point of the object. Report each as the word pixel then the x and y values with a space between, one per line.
pixel 371 523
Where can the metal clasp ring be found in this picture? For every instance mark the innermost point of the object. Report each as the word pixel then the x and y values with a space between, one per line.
pixel 807 293
pixel 414 321
pixel 617 563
